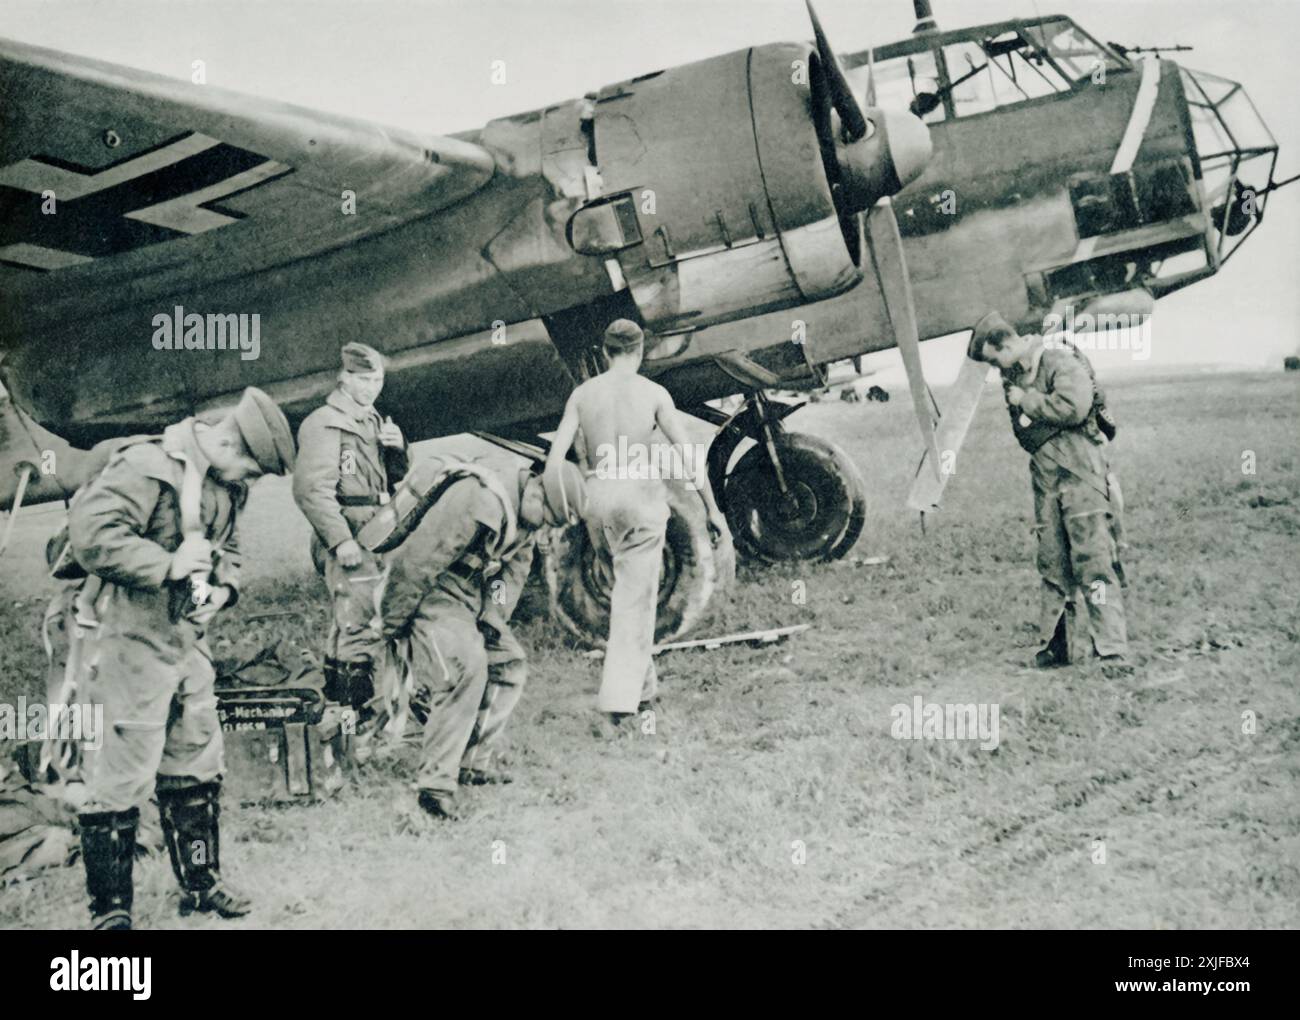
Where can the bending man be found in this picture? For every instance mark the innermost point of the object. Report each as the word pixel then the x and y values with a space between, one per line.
pixel 454 585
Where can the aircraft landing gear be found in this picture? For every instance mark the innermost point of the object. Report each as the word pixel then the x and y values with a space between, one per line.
pixel 791 496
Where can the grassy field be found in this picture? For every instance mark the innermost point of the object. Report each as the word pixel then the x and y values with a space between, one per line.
pixel 772 792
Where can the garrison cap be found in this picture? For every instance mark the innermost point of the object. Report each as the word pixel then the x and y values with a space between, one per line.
pixel 623 335
pixel 361 358
pixel 265 432
pixel 566 495
pixel 990 329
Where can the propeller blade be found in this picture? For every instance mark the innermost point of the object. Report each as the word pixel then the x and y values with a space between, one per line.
pixel 852 119
pixel 896 286
pixel 871 78
pixel 959 411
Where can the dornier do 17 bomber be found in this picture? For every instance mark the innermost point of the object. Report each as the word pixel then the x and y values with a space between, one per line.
pixel 757 212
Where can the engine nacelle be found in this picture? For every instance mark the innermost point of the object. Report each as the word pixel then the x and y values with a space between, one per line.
pixel 715 200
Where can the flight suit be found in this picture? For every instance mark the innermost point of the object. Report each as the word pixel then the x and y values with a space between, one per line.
pixel 627 519
pixel 454 585
pixel 148 664
pixel 1076 500
pixel 343 475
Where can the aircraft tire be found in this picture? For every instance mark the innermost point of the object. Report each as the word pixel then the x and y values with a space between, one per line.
pixel 695 569
pixel 822 522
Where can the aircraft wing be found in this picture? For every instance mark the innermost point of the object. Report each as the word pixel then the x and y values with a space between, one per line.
pixel 117 184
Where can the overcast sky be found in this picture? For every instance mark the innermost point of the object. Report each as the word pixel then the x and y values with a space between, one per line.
pixel 426 64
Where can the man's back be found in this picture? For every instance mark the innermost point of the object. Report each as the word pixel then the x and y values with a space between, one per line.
pixel 618 411
pixel 628 423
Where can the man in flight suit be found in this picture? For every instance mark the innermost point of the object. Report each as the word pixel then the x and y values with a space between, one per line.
pixel 1057 413
pixel 349 460
pixel 455 582
pixel 156 532
pixel 627 512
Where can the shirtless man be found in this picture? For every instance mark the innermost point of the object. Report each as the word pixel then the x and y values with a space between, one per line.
pixel 623 414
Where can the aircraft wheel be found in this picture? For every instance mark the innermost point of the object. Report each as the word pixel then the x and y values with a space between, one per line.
pixel 579 579
pixel 820 517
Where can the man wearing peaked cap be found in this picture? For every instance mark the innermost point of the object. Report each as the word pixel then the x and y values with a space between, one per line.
pixel 156 532
pixel 349 460
pixel 265 432
pixel 455 581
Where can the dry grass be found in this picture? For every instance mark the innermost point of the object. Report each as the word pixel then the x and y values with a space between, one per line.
pixel 758 748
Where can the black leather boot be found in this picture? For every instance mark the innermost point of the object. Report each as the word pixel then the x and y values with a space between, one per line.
pixel 108 851
pixel 1057 652
pixel 336 687
pixel 190 825
pixel 439 805
pixel 361 683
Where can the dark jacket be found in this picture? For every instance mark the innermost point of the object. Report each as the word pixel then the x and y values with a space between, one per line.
pixel 124 525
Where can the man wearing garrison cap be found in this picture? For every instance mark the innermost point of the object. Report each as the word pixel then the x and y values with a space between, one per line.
pixel 349 460
pixel 627 509
pixel 1058 414
pixel 155 530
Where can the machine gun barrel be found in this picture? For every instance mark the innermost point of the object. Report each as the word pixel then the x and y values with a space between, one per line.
pixel 1124 51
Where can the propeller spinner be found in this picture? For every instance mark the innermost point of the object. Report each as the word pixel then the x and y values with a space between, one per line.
pixel 878 152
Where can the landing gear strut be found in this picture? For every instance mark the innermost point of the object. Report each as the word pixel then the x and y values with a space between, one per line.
pixel 791 496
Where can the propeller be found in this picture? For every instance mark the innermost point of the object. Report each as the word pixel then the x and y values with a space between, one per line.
pixel 896 288
pixel 959 403
pixel 852 120
pixel 878 153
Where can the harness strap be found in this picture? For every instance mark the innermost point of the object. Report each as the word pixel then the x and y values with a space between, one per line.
pixel 191 500
pixel 1094 482
pixel 492 483
pixel 388 528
